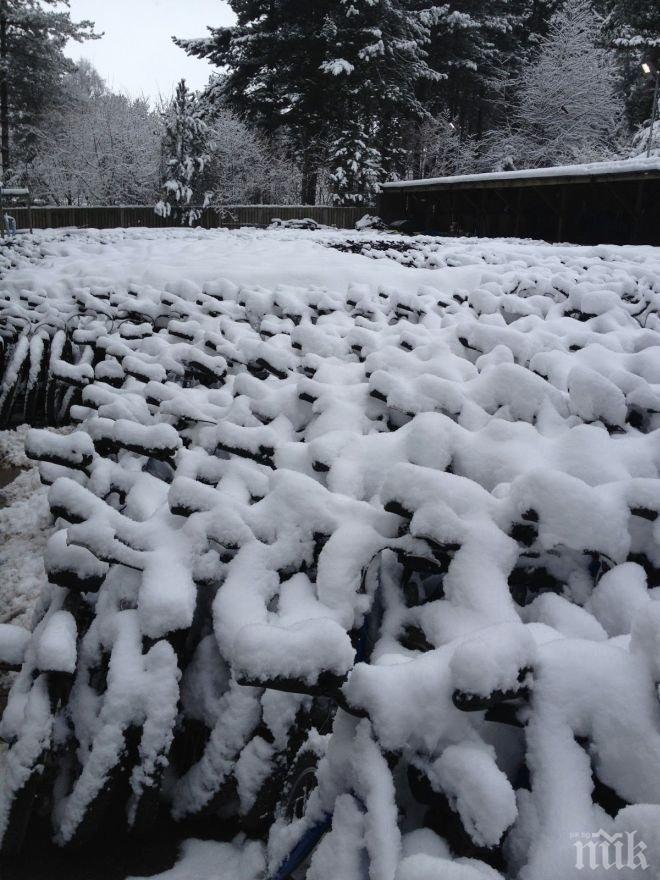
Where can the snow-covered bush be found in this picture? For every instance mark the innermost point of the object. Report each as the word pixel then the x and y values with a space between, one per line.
pixel 370 221
pixel 441 150
pixel 244 168
pixel 640 144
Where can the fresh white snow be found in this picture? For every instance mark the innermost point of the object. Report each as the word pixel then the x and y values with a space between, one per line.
pixel 24 530
pixel 371 409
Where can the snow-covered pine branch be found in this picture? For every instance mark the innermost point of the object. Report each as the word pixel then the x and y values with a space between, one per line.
pixel 186 153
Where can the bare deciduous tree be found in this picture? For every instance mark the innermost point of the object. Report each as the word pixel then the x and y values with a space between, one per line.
pixel 100 148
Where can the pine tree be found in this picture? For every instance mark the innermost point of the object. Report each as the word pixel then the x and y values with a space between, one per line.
pixel 311 68
pixel 185 146
pixel 376 73
pixel 635 24
pixel 273 56
pixel 633 29
pixel 478 47
pixel 33 34
pixel 355 167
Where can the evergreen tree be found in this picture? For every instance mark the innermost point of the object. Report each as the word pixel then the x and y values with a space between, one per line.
pixel 311 68
pixel 459 51
pixel 378 63
pixel 33 34
pixel 635 24
pixel 185 146
pixel 273 56
pixel 633 28
pixel 355 167
pixel 479 48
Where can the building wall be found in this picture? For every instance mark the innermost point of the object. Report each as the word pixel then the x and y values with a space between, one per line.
pixel 610 212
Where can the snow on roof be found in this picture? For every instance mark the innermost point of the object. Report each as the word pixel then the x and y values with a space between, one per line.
pixel 589 170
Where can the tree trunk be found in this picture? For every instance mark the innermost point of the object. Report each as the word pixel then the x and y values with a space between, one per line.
pixel 313 180
pixel 4 90
pixel 418 152
pixel 309 181
pixel 480 114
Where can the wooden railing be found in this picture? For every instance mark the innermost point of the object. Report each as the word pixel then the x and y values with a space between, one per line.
pixel 229 216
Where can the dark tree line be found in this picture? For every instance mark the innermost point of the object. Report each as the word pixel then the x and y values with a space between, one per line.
pixel 335 96
pixel 354 83
pixel 33 34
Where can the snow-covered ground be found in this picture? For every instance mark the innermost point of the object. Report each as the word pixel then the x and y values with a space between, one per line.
pixel 24 530
pixel 444 449
pixel 206 860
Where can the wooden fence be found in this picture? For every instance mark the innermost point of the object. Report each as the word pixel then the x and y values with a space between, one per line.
pixel 230 216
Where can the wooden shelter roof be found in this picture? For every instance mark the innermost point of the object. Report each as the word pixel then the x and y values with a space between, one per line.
pixel 628 169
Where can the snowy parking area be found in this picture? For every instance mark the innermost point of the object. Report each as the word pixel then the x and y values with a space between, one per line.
pixel 375 511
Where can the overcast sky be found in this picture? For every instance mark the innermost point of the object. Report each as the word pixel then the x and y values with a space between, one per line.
pixel 136 55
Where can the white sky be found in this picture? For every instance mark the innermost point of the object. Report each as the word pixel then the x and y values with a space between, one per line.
pixel 136 55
